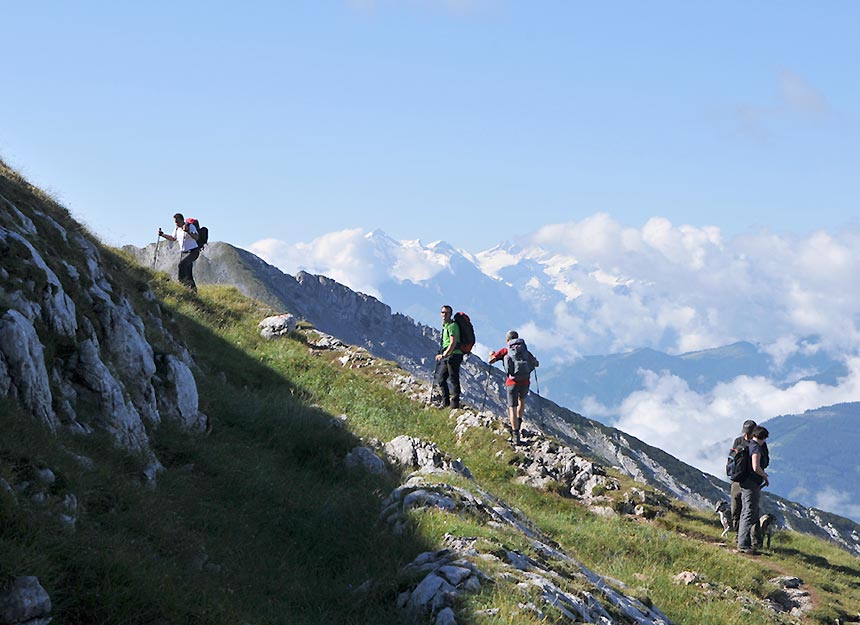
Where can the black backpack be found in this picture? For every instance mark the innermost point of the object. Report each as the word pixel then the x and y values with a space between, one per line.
pixel 730 460
pixel 519 363
pixel 202 233
pixel 739 463
pixel 467 332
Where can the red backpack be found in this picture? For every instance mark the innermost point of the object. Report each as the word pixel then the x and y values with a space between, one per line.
pixel 202 233
pixel 467 332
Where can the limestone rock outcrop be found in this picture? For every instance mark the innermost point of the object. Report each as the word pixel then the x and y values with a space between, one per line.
pixel 74 348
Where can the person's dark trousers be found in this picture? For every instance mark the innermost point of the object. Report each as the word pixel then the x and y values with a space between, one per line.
pixel 450 368
pixel 736 505
pixel 750 494
pixel 186 268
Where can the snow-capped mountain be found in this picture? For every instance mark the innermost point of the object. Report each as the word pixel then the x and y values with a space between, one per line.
pixel 670 333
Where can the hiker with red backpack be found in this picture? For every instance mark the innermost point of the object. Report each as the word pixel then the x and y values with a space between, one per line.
pixel 519 364
pixel 188 235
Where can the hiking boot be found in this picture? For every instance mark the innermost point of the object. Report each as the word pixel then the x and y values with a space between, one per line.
pixel 516 437
pixel 455 403
pixel 750 551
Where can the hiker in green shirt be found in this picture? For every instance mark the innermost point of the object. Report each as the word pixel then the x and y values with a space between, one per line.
pixel 448 360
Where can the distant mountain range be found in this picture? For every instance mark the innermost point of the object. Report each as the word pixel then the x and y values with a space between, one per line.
pixel 610 379
pixel 363 320
pixel 814 458
pixel 570 309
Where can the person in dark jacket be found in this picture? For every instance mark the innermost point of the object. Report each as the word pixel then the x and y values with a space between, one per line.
pixel 751 487
pixel 740 442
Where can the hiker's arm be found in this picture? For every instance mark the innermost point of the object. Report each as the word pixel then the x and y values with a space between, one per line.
pixel 191 231
pixel 756 465
pixel 166 236
pixel 496 356
pixel 452 345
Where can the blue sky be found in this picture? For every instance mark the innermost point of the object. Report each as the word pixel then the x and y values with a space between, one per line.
pixel 291 120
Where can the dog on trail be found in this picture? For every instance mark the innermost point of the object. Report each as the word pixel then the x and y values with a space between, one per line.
pixel 765 529
pixel 722 509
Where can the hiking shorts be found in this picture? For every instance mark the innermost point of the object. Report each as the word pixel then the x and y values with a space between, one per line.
pixel 516 394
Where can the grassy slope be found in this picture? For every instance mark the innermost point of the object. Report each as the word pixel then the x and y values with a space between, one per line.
pixel 259 523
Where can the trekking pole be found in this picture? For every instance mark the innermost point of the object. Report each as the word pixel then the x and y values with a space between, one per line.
pixel 540 406
pixel 486 387
pixel 155 256
pixel 432 382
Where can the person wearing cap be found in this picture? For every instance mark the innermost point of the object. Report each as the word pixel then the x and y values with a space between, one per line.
pixel 741 442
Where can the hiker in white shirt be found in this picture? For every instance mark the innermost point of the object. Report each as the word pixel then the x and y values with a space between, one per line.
pixel 187 236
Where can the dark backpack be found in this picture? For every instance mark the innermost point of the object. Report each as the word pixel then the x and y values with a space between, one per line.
pixel 202 233
pixel 519 363
pixel 739 463
pixel 467 332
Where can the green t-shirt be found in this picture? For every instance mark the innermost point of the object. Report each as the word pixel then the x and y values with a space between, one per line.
pixel 450 330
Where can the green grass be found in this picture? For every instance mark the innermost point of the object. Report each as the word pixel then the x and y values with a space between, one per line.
pixel 258 521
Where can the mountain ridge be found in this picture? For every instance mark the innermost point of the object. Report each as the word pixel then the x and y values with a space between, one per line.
pixel 360 317
pixel 275 505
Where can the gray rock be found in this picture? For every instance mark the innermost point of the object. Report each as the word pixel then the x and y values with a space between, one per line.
pixel 428 499
pixel 184 395
pixel 424 456
pixel 277 326
pixel 362 457
pixel 45 475
pixel 22 365
pixel 125 346
pixel 57 309
pixel 24 601
pixel 446 617
pixel 117 415
pixel 24 223
pixel 433 590
pixel 454 574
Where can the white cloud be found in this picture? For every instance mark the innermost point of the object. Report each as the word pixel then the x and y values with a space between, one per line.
pixel 683 288
pixel 595 287
pixel 671 416
pixel 346 256
pixel 838 502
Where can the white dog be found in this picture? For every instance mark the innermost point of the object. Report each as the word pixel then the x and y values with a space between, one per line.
pixel 722 509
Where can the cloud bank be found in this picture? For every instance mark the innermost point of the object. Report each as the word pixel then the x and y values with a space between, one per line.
pixel 682 288
pixel 596 287
pixel 691 426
